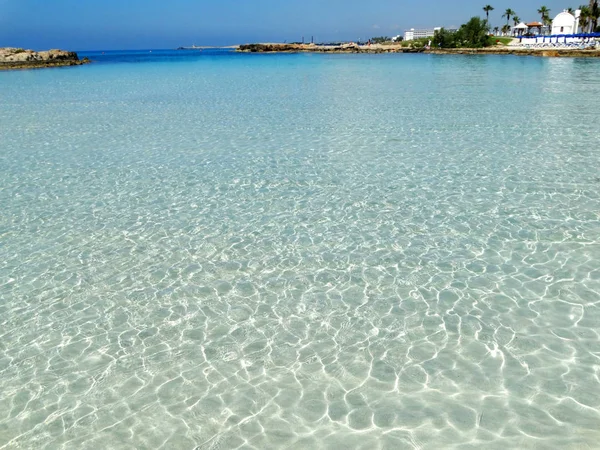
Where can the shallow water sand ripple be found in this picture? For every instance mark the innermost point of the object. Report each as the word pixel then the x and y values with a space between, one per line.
pixel 300 251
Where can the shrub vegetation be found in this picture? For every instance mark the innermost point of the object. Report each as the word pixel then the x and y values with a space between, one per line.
pixel 381 39
pixel 473 34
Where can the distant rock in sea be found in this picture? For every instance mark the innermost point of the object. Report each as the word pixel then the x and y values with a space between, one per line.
pixel 18 58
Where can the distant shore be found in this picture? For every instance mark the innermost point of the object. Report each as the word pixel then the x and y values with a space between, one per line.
pixel 206 47
pixel 556 53
pixel 398 48
pixel 314 48
pixel 18 58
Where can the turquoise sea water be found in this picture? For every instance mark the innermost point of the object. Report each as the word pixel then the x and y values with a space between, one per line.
pixel 218 251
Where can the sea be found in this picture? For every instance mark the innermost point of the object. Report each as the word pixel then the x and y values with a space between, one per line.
pixel 215 250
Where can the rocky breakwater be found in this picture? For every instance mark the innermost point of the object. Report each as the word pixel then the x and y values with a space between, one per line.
pixel 314 48
pixel 18 58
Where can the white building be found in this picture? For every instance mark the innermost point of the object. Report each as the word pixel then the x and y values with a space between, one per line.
pixel 566 23
pixel 412 34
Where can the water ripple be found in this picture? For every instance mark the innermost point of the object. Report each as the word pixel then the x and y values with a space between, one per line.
pixel 301 252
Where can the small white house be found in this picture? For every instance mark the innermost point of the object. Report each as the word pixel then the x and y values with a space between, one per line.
pixel 566 23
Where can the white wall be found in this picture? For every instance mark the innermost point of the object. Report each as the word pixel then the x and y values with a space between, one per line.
pixel 565 29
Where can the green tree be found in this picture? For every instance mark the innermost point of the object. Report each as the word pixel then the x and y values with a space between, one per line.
pixel 508 13
pixel 496 30
pixel 505 29
pixel 545 13
pixel 516 20
pixel 445 39
pixel 474 33
pixel 487 9
pixel 380 39
pixel 595 14
pixel 585 19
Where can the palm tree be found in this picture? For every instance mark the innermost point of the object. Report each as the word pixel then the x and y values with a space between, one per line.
pixel 545 12
pixel 571 11
pixel 496 31
pixel 509 12
pixel 516 20
pixel 595 14
pixel 487 9
pixel 505 29
pixel 585 19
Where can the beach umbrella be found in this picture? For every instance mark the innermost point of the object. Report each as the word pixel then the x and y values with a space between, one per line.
pixel 520 28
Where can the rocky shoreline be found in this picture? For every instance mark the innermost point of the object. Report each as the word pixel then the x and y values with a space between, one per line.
pixel 313 48
pixel 18 58
pixel 554 53
pixel 397 48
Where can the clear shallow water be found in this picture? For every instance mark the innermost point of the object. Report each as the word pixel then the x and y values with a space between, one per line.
pixel 300 251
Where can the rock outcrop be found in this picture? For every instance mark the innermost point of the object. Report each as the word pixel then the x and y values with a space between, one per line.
pixel 313 48
pixel 18 58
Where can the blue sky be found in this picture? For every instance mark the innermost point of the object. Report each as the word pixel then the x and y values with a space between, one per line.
pixel 136 24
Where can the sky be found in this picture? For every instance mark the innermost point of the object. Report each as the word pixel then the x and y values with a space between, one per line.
pixel 160 24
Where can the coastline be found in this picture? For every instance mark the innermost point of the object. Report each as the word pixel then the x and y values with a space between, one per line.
pixel 206 47
pixel 398 48
pixel 18 58
pixel 314 48
pixel 556 53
